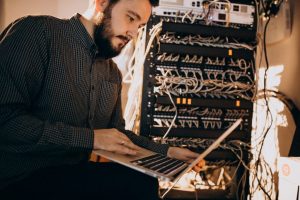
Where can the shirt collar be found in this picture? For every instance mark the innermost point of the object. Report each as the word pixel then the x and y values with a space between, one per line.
pixel 82 34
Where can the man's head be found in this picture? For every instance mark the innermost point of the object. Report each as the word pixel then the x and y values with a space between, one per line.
pixel 119 23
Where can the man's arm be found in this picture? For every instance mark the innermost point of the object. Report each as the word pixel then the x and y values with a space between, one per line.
pixel 23 63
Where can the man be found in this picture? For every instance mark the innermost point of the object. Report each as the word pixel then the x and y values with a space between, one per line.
pixel 60 99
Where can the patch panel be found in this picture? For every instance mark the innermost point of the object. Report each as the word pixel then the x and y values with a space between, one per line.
pixel 207 12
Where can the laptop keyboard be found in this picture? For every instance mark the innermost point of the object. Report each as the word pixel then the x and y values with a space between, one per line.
pixel 159 163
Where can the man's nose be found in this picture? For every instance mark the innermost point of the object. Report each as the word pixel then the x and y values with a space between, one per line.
pixel 133 32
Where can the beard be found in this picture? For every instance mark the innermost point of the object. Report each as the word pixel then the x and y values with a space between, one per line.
pixel 103 35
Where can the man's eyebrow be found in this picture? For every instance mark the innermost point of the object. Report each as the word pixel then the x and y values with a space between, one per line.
pixel 135 14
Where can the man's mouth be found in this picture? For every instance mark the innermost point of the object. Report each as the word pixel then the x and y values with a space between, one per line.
pixel 124 40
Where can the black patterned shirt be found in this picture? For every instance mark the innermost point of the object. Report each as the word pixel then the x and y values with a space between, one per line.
pixel 53 93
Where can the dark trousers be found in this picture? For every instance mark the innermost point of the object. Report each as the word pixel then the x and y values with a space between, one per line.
pixel 96 181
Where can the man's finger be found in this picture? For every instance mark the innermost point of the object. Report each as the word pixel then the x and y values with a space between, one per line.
pixel 131 145
pixel 192 155
pixel 200 166
pixel 201 163
pixel 121 149
pixel 197 169
pixel 122 138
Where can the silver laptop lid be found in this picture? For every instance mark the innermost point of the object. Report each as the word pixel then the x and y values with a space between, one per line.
pixel 213 146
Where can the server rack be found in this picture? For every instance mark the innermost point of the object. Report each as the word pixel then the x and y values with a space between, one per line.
pixel 199 77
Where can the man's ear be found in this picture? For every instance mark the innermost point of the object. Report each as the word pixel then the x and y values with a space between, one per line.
pixel 101 5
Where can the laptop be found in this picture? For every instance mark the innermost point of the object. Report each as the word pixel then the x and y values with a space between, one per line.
pixel 161 166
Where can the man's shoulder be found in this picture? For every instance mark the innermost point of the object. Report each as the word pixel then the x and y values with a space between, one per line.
pixel 35 19
pixel 35 22
pixel 41 20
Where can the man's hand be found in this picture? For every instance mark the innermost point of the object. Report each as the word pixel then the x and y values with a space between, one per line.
pixel 185 155
pixel 114 141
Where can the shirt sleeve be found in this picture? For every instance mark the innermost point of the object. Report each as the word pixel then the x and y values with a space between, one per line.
pixel 119 123
pixel 23 63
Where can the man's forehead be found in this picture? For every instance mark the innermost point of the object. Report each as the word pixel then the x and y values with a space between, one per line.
pixel 141 8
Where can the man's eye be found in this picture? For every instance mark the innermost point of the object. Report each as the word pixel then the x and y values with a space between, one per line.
pixel 131 19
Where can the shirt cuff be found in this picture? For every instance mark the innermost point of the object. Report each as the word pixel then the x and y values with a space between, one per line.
pixel 82 139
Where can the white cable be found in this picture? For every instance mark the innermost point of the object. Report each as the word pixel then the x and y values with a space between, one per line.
pixel 175 116
pixel 135 75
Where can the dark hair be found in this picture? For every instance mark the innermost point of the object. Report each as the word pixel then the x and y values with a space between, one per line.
pixel 152 2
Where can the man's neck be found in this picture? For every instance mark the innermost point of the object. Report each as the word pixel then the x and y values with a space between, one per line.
pixel 87 19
